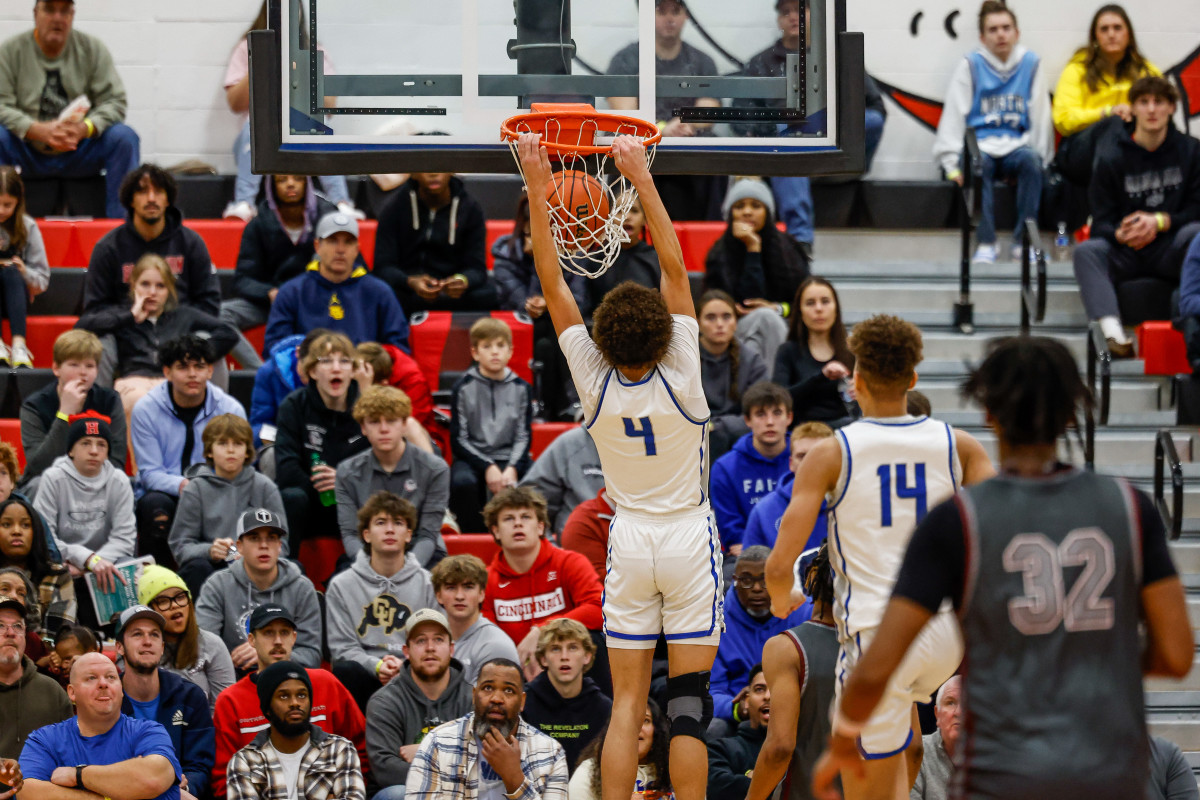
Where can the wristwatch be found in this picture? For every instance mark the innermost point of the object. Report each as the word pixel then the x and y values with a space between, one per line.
pixel 79 776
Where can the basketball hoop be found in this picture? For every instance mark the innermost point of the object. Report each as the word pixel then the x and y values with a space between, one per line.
pixel 588 235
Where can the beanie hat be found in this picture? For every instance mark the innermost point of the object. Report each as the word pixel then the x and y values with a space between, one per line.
pixel 269 679
pixel 155 580
pixel 742 188
pixel 90 423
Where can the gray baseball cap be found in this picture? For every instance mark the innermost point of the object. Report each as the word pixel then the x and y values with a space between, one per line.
pixel 336 221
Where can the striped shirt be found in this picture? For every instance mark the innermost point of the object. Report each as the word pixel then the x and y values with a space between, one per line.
pixel 446 766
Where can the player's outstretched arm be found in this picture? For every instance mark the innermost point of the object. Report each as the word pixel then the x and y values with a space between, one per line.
pixel 1169 644
pixel 902 621
pixel 816 477
pixel 976 465
pixel 535 165
pixel 783 670
pixel 630 157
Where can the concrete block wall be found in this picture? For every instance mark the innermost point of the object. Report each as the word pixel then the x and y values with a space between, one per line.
pixel 172 54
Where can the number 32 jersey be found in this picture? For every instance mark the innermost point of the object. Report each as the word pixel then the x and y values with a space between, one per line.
pixel 893 471
pixel 651 434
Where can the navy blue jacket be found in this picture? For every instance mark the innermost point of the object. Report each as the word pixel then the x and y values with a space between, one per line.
pixel 183 711
pixel 763 525
pixel 278 377
pixel 1189 286
pixel 740 478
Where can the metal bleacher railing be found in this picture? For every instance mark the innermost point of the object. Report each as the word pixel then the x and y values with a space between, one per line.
pixel 1033 298
pixel 1166 460
pixel 972 177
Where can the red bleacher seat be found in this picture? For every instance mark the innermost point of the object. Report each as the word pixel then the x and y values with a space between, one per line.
pixel 366 240
pixel 495 229
pixel 476 544
pixel 440 343
pixel 546 432
pixel 56 236
pixel 40 333
pixel 223 238
pixel 86 234
pixel 318 556
pixel 10 431
pixel 1162 349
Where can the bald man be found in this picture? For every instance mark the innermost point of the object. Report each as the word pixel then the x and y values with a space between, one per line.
pixel 120 756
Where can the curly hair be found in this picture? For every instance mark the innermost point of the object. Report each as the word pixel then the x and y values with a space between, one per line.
pixel 658 757
pixel 886 350
pixel 1031 387
pixel 515 497
pixel 632 327
pixel 382 402
pixel 735 348
pixel 817 581
pixel 159 178
pixel 8 460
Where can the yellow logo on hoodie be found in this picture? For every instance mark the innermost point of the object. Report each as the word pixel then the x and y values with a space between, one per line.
pixel 335 307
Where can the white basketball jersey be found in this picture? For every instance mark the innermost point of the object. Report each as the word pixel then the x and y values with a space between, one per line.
pixel 893 471
pixel 651 434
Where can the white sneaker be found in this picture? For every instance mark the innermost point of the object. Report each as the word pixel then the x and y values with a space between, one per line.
pixel 1016 254
pixel 20 356
pixel 984 254
pixel 5 355
pixel 346 207
pixel 240 210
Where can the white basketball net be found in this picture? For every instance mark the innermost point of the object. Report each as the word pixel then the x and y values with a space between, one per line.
pixel 587 245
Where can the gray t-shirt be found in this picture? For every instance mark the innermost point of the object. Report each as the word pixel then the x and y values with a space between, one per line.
pixel 936 768
pixel 690 61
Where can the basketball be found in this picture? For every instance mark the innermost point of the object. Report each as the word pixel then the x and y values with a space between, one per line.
pixel 579 206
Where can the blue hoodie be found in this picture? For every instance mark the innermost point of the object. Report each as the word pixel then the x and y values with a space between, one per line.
pixel 362 307
pixel 278 377
pixel 739 479
pixel 183 711
pixel 763 525
pixel 159 436
pixel 742 647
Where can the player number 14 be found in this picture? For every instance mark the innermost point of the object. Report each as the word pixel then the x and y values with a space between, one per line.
pixel 915 492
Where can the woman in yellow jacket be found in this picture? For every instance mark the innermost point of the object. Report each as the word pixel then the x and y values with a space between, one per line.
pixel 1091 99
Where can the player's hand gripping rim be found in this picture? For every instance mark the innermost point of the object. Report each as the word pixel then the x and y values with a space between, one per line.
pixel 535 165
pixel 842 754
pixel 629 154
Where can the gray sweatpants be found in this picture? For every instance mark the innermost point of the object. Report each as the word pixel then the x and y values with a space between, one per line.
pixel 1100 266
pixel 242 315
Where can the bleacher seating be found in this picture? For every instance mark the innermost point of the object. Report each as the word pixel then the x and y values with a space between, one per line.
pixel 10 431
pixel 1162 349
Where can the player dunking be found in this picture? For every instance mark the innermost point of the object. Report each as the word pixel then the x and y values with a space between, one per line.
pixel 880 474
pixel 1051 569
pixel 639 384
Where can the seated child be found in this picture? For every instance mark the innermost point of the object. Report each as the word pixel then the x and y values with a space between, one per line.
pixel 202 536
pixel 73 641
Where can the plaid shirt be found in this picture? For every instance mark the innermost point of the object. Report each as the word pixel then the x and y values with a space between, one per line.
pixel 446 766
pixel 329 771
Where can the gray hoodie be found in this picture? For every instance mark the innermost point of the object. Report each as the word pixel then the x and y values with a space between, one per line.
pixel 400 714
pixel 87 515
pixel 229 597
pixel 367 611
pixel 566 473
pixel 479 644
pixel 213 671
pixel 209 508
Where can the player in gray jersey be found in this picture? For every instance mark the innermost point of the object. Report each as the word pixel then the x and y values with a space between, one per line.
pixel 1051 569
pixel 800 664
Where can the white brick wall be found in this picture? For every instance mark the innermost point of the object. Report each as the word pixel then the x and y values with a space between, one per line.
pixel 172 53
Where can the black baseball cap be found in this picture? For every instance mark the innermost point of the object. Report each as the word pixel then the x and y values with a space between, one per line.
pixel 134 613
pixel 260 519
pixel 264 615
pixel 13 604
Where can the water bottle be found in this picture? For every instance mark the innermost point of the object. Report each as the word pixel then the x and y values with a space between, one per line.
pixel 329 496
pixel 1062 243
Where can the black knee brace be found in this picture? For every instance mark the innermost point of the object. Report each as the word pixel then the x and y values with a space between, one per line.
pixel 689 704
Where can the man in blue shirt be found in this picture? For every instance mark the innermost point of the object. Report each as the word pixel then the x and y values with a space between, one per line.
pixel 152 693
pixel 100 751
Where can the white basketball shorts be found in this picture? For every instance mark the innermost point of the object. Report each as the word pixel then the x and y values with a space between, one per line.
pixel 663 576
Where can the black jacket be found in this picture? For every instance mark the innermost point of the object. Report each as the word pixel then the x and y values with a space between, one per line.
pixel 784 265
pixel 1129 178
pixel 573 722
pixel 452 241
pixel 268 257
pixel 638 264
pixel 107 280
pixel 306 426
pixel 814 397
pixel 138 342
pixel 731 758
pixel 44 436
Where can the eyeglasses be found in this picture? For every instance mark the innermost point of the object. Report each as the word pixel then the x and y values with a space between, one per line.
pixel 178 601
pixel 330 361
pixel 17 628
pixel 750 581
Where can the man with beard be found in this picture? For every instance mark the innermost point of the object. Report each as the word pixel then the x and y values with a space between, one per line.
pixel 748 626
pixel 938 764
pixel 491 750
pixel 238 718
pixel 278 763
pixel 428 691
pixel 100 751
pixel 28 699
pixel 152 693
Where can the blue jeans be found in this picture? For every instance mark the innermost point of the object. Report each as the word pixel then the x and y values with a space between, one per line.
pixel 1025 165
pixel 245 187
pixel 391 793
pixel 117 151
pixel 874 122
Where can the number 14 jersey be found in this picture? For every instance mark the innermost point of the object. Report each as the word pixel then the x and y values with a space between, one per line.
pixel 893 471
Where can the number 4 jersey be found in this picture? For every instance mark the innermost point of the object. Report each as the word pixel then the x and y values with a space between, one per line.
pixel 893 471
pixel 1046 574
pixel 651 434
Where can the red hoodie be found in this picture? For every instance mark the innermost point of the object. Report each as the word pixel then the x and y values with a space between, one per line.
pixel 407 377
pixel 238 718
pixel 561 583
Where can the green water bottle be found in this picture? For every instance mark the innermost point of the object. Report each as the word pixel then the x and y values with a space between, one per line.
pixel 329 496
